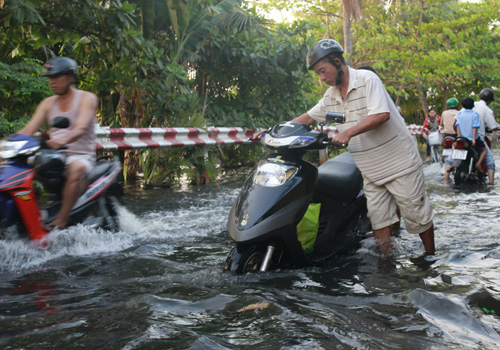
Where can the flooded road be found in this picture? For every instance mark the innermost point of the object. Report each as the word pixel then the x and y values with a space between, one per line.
pixel 158 283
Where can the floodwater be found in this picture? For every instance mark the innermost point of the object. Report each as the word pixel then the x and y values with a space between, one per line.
pixel 158 283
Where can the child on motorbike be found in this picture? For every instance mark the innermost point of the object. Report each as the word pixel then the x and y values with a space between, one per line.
pixel 468 124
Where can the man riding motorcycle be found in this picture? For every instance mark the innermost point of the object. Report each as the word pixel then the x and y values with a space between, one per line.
pixel 79 138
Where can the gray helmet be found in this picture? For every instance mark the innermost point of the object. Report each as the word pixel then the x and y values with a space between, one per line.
pixel 487 95
pixel 60 65
pixel 322 49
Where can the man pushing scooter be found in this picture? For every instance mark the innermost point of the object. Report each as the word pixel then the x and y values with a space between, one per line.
pixel 379 142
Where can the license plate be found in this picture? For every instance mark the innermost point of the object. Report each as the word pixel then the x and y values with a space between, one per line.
pixel 459 154
pixel 447 152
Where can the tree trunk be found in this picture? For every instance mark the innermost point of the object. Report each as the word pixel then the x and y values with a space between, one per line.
pixel 408 66
pixel 446 87
pixel 347 36
pixel 130 157
pixel 423 99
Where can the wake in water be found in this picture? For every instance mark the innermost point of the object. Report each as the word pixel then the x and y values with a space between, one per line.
pixel 18 253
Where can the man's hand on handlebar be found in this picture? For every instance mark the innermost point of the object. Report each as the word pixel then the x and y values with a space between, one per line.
pixel 340 139
pixel 55 144
pixel 258 134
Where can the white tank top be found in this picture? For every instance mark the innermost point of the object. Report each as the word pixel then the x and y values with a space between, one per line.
pixel 86 144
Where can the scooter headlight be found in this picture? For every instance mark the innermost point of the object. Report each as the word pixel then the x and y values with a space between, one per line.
pixel 273 175
pixel 9 149
pixel 302 141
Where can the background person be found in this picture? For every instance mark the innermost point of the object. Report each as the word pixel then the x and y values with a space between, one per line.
pixel 448 118
pixel 431 124
pixel 80 108
pixel 468 125
pixel 487 120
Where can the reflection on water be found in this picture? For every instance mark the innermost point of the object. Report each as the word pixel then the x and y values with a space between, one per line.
pixel 157 284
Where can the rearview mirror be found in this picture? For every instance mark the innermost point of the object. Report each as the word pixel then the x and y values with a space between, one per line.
pixel 334 117
pixel 60 122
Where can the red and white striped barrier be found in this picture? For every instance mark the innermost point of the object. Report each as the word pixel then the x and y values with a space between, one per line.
pixel 130 138
pixel 415 129
pixel 114 139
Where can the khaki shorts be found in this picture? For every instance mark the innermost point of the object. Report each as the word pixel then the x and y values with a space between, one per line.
pixel 408 192
pixel 89 161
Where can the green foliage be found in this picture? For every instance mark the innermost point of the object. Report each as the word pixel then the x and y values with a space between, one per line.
pixel 235 156
pixel 9 127
pixel 233 61
pixel 178 63
pixel 21 88
pixel 448 47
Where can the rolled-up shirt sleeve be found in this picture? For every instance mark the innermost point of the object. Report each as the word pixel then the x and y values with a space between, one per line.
pixel 318 112
pixel 376 102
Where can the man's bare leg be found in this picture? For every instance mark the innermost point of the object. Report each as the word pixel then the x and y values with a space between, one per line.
pixel 397 225
pixel 491 176
pixel 383 237
pixel 427 238
pixel 447 169
pixel 75 184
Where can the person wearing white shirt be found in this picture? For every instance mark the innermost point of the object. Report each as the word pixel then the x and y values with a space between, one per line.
pixel 487 120
pixel 379 142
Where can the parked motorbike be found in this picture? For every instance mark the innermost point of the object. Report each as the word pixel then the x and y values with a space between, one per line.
pixel 31 180
pixel 465 158
pixel 279 193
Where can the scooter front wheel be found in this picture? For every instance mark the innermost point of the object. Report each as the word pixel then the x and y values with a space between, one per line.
pixel 243 259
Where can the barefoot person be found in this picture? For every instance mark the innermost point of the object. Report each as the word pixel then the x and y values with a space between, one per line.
pixel 379 142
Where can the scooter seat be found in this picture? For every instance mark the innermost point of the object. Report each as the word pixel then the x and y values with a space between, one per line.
pixel 340 178
pixel 101 168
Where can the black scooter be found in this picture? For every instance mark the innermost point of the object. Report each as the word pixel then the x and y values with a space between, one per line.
pixel 276 196
pixel 465 158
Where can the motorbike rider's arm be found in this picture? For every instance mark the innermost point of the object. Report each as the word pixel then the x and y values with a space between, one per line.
pixel 86 117
pixel 38 118
pixel 370 123
pixel 490 122
pixel 304 119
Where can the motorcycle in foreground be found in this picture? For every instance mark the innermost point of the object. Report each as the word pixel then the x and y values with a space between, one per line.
pixel 29 168
pixel 464 160
pixel 279 193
